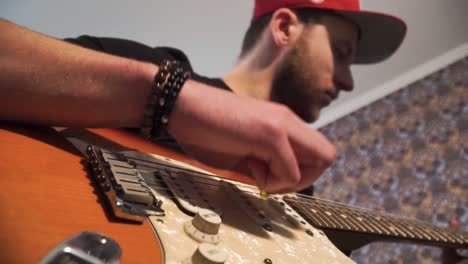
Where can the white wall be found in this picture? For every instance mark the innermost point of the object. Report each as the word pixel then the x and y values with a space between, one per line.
pixel 210 32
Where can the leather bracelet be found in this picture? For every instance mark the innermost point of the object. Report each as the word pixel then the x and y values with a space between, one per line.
pixel 168 82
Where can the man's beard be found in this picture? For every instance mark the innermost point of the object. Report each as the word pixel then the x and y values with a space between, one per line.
pixel 294 85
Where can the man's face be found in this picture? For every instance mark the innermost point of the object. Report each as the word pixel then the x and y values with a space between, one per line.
pixel 318 66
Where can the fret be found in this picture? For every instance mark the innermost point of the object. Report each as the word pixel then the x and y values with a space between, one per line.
pixel 463 237
pixel 437 232
pixel 309 214
pixel 402 227
pixel 423 229
pixel 336 216
pixel 452 238
pixel 324 214
pixel 418 231
pixel 313 218
pixel 360 221
pixel 370 226
pixel 319 212
pixel 395 224
pixel 355 225
pixel 367 218
pixel 347 214
pixel 422 232
pixel 380 230
pixel 343 215
pixel 395 231
pixel 331 216
pixel 366 226
pixel 327 219
pixel 315 203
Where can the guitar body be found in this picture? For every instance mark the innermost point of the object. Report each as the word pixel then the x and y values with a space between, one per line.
pixel 47 196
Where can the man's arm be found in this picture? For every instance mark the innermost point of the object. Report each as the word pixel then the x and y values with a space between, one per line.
pixel 48 81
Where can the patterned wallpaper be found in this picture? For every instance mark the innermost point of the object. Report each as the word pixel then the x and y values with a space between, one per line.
pixel 405 154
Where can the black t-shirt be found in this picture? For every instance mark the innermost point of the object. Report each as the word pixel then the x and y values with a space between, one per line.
pixel 137 51
pixel 134 50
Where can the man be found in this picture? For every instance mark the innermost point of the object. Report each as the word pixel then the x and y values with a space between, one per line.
pixel 295 60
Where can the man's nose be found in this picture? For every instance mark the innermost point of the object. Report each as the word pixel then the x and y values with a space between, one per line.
pixel 343 79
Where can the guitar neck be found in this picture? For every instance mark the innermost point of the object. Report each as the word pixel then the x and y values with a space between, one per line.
pixel 337 217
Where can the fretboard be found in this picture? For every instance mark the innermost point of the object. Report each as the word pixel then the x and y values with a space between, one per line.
pixel 328 215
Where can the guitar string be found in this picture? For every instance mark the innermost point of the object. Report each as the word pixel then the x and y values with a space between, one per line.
pixel 401 220
pixel 256 192
pixel 342 205
pixel 299 251
pixel 207 188
pixel 325 201
pixel 206 184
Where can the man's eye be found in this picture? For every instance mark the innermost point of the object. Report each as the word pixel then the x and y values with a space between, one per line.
pixel 339 53
pixel 342 52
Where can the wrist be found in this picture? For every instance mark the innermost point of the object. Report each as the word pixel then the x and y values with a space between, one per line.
pixel 167 83
pixel 139 89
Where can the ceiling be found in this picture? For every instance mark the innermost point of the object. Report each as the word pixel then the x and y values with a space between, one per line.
pixel 210 32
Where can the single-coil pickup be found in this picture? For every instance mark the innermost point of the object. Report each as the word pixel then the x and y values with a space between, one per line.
pixel 189 191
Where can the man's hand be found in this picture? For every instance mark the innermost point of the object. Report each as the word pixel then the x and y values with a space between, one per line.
pixel 222 129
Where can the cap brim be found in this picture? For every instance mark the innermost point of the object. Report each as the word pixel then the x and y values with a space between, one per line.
pixel 381 35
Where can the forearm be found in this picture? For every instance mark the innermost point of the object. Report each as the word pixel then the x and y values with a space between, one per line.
pixel 48 81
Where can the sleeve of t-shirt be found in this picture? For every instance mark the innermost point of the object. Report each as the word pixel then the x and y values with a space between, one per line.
pixel 131 49
pixel 141 52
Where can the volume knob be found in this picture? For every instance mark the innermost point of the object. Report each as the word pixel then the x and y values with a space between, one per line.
pixel 204 226
pixel 208 254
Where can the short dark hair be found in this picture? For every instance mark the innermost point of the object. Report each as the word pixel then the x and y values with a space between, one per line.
pixel 255 30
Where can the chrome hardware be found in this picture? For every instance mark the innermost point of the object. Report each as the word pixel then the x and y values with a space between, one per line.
pixel 122 185
pixel 86 248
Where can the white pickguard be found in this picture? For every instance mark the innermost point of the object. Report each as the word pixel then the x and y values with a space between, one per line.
pixel 244 213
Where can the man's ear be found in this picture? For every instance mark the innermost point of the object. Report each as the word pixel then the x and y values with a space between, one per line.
pixel 285 27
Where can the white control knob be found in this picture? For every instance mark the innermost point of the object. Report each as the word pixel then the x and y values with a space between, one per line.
pixel 204 226
pixel 208 254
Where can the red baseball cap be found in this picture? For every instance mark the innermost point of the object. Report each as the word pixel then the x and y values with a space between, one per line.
pixel 380 34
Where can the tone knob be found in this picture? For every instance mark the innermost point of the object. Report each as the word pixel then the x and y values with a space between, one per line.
pixel 204 226
pixel 208 254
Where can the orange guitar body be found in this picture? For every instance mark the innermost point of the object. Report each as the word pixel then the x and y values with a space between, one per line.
pixel 47 196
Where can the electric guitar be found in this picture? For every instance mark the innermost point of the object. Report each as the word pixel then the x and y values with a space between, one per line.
pixel 160 206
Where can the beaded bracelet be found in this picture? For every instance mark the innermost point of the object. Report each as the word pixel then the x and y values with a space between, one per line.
pixel 168 82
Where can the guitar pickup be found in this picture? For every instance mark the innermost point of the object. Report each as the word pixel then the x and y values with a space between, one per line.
pixel 122 185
